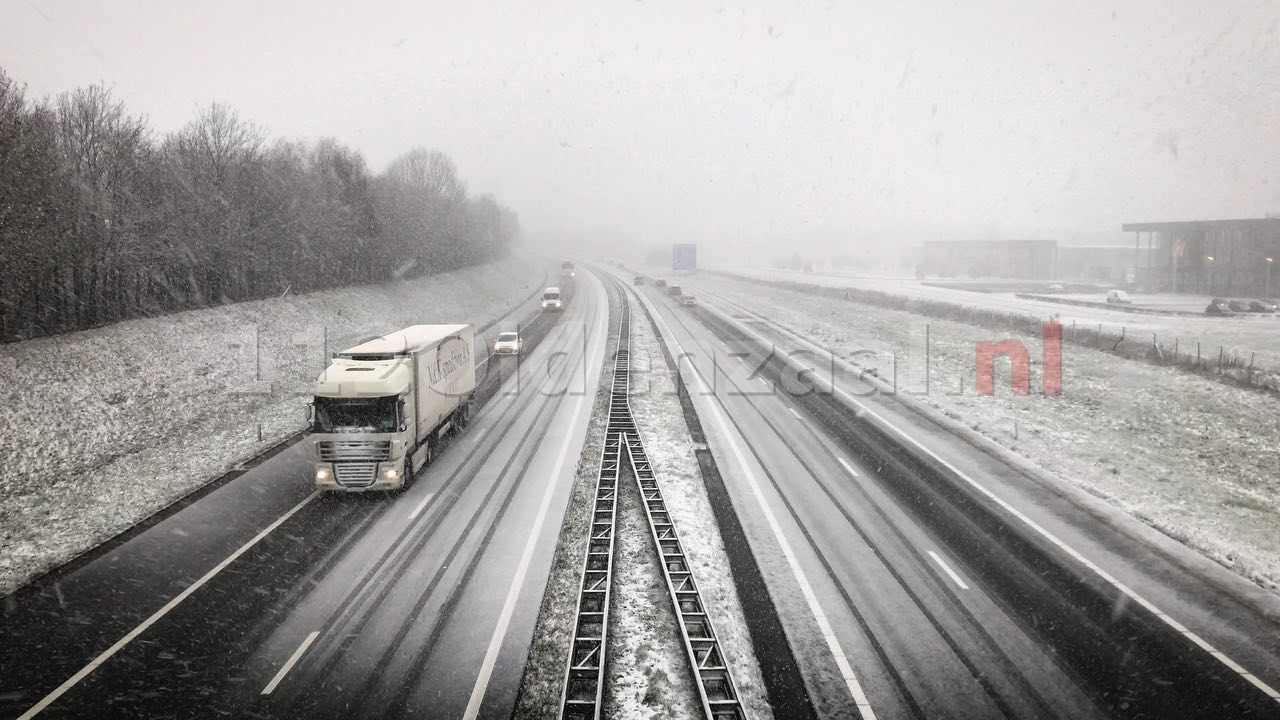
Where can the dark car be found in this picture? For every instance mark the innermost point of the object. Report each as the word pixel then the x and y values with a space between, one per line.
pixel 1218 306
pixel 661 283
pixel 674 290
pixel 688 300
pixel 1262 306
pixel 638 281
pixel 1239 306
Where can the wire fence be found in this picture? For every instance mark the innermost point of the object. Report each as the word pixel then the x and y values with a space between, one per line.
pixel 1216 361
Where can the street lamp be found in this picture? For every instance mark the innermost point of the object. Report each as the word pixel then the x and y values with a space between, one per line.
pixel 1269 261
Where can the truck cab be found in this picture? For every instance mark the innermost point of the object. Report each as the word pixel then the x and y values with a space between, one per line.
pixel 380 409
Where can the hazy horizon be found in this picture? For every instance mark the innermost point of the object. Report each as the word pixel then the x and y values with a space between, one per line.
pixel 870 126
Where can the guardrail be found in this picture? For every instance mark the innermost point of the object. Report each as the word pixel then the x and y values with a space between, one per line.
pixel 1137 662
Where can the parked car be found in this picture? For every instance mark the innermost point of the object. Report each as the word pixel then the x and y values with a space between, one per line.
pixel 1118 297
pixel 674 290
pixel 508 343
pixel 638 281
pixel 1218 306
pixel 661 283
pixel 688 300
pixel 1239 306
pixel 1262 306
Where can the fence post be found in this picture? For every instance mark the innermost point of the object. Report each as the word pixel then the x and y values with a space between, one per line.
pixel 1219 358
pixel 1197 353
pixel 1251 354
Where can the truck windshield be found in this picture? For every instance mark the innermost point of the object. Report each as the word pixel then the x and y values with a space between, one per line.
pixel 551 296
pixel 373 415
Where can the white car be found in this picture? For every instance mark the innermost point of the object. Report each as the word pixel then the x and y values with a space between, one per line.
pixel 1118 297
pixel 551 299
pixel 508 343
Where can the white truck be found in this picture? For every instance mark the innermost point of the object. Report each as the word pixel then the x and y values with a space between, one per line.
pixel 551 299
pixel 381 407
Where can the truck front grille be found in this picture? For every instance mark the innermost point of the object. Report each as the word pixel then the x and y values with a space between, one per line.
pixel 338 450
pixel 355 475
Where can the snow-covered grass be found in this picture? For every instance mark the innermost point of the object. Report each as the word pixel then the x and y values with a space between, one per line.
pixel 1195 458
pixel 101 428
pixel 650 675
pixel 660 419
pixel 549 652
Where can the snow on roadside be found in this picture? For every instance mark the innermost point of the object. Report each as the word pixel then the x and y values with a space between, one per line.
pixel 103 427
pixel 1190 456
pixel 660 418
pixel 549 652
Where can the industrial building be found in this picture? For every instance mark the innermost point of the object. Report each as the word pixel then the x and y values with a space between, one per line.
pixel 1208 257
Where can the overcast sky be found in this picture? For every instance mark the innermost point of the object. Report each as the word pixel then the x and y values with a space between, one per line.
pixel 873 122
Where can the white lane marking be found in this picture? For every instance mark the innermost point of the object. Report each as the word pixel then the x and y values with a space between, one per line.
pixel 134 633
pixel 811 599
pixel 421 505
pixel 947 567
pixel 475 436
pixel 766 382
pixel 848 468
pixel 500 632
pixel 288 665
pixel 1072 552
pixel 828 634
pixel 793 412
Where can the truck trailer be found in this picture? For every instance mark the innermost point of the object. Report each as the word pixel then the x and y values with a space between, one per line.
pixel 381 407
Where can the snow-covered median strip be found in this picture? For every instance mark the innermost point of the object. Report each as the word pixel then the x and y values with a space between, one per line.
pixel 103 427
pixel 660 419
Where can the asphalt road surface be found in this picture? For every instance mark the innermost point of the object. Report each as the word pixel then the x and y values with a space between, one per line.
pixel 894 612
pixel 264 599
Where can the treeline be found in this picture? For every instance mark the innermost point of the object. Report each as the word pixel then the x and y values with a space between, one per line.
pixel 102 220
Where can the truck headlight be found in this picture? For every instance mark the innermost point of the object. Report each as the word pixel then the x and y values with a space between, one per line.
pixel 390 473
pixel 322 473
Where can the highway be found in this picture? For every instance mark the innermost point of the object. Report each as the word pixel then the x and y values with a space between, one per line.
pixel 901 601
pixel 264 599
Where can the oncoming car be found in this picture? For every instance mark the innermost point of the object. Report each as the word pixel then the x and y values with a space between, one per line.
pixel 551 299
pixel 688 300
pixel 508 343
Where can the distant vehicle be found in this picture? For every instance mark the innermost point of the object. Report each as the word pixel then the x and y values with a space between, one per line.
pixel 638 281
pixel 1218 306
pixel 1262 306
pixel 1118 297
pixel 660 283
pixel 688 300
pixel 674 290
pixel 566 269
pixel 551 299
pixel 508 343
pixel 380 407
pixel 1056 287
pixel 1239 306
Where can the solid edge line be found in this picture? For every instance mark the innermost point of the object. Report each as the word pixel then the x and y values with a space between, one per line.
pixel 793 412
pixel 1070 551
pixel 508 608
pixel 1062 545
pixel 943 564
pixel 811 599
pixel 288 665
pixel 133 634
pixel 849 468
